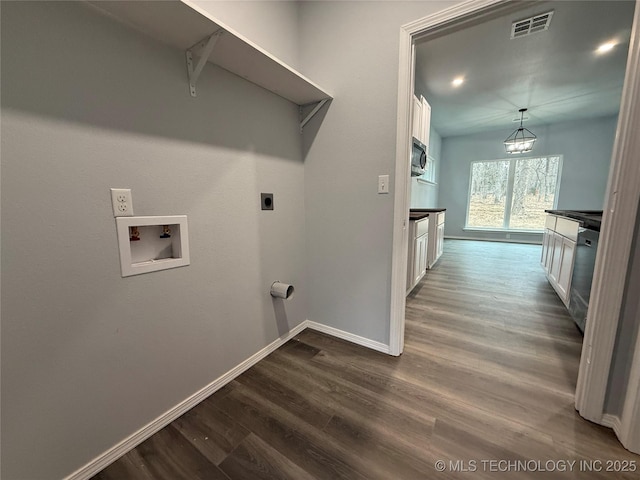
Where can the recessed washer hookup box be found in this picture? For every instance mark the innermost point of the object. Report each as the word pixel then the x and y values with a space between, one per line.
pixel 149 244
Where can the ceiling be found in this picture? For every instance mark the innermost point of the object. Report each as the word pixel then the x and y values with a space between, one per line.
pixel 555 73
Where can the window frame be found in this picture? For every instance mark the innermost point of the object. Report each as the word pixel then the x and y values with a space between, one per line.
pixel 429 175
pixel 509 196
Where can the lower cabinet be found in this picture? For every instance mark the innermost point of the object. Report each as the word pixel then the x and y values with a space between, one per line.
pixel 558 255
pixel 547 248
pixel 554 266
pixel 436 238
pixel 440 240
pixel 418 251
pixel 567 257
pixel 420 258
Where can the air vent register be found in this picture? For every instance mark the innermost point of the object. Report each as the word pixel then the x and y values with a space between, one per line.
pixel 531 25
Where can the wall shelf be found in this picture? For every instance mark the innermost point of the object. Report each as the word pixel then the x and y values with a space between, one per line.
pixel 188 27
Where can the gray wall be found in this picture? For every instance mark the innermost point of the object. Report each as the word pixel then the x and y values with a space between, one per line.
pixel 586 147
pixel 425 195
pixel 628 331
pixel 351 48
pixel 88 357
pixel 273 24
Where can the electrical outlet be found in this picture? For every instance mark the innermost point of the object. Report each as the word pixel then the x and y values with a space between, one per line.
pixel 122 202
pixel 266 201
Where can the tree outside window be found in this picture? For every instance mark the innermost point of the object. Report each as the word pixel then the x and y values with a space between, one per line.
pixel 513 194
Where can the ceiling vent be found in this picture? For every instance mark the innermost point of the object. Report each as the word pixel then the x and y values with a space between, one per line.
pixel 528 26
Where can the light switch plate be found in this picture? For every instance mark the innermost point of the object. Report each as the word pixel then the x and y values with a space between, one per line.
pixel 383 183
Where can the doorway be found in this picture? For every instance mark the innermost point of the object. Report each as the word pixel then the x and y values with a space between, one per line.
pixel 619 219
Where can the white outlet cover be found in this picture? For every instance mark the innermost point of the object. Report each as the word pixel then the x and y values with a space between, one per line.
pixel 122 202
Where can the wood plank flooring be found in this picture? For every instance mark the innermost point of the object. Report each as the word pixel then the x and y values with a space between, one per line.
pixel 488 373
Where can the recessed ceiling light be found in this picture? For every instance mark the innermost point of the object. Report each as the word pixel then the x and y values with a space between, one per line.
pixel 457 81
pixel 606 47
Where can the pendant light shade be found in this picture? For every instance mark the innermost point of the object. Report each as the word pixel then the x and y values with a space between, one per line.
pixel 521 140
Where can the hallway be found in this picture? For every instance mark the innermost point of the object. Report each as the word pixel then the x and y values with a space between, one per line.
pixel 488 373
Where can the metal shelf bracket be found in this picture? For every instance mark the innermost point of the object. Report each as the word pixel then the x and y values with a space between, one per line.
pixel 204 48
pixel 315 110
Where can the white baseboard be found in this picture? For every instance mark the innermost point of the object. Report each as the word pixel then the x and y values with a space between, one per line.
pixel 504 240
pixel 612 421
pixel 349 337
pixel 615 422
pixel 111 455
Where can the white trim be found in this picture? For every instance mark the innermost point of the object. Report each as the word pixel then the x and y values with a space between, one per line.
pixel 629 433
pixel 488 239
pixel 426 182
pixel 105 459
pixel 402 197
pixel 502 230
pixel 458 13
pixel 349 337
pixel 618 224
pixel 111 455
pixel 613 422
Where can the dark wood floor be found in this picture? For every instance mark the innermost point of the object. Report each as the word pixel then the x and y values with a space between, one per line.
pixel 488 373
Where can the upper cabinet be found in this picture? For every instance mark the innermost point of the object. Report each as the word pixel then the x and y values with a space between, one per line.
pixel 425 124
pixel 416 125
pixel 205 39
pixel 421 120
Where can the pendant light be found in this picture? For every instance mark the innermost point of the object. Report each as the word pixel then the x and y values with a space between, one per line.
pixel 522 140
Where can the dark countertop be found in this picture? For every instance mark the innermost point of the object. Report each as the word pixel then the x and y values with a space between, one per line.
pixel 420 213
pixel 590 219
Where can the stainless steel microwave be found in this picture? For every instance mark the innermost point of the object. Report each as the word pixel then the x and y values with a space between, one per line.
pixel 418 158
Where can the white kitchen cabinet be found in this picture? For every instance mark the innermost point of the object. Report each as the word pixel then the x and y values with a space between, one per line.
pixel 417 251
pixel 558 254
pixel 420 260
pixel 556 251
pixel 417 119
pixel 565 271
pixel 547 248
pixel 421 120
pixel 436 238
pixel 425 122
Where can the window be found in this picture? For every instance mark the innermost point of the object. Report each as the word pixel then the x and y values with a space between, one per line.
pixel 513 194
pixel 429 174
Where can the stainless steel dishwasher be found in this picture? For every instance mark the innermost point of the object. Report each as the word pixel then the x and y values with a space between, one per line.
pixel 585 260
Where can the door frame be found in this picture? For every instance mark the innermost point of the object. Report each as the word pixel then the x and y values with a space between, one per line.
pixel 409 33
pixel 619 217
pixel 612 262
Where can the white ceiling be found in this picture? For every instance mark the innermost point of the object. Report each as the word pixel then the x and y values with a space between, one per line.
pixel 556 73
